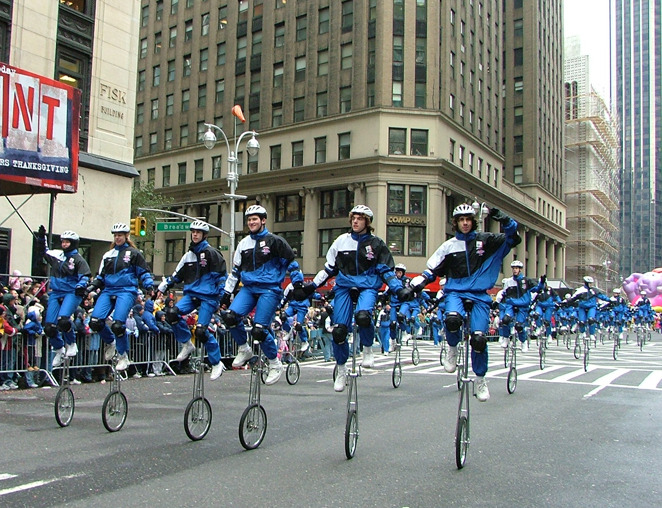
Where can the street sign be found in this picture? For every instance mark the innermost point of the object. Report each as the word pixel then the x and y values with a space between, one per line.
pixel 223 247
pixel 173 226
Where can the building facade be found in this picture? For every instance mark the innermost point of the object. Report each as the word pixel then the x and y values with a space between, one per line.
pixel 394 104
pixel 91 45
pixel 591 180
pixel 637 43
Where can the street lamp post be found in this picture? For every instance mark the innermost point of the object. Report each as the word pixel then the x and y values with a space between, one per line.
pixel 480 209
pixel 252 146
pixel 606 264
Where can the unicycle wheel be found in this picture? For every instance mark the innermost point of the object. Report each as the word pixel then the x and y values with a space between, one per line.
pixel 351 433
pixel 293 372
pixel 461 441
pixel 415 356
pixel 252 426
pixel 114 411
pixel 197 418
pixel 396 376
pixel 512 380
pixel 65 405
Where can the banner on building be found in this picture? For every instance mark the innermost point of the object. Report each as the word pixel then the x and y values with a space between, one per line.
pixel 39 123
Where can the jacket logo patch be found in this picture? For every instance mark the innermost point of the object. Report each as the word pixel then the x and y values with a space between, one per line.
pixel 127 256
pixel 71 264
pixel 266 250
pixel 203 260
pixel 479 248
pixel 369 253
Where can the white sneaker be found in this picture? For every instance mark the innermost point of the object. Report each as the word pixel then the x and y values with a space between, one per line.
pixel 244 354
pixel 75 381
pixel 59 357
pixel 405 337
pixel 341 379
pixel 391 345
pixel 71 349
pixel 368 358
pixel 109 351
pixel 450 362
pixel 304 346
pixel 525 346
pixel 187 349
pixel 503 342
pixel 217 370
pixel 151 374
pixel 275 371
pixel 122 362
pixel 482 392
pixel 137 375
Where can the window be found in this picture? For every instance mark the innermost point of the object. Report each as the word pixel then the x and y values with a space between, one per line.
pixel 256 43
pixel 302 27
pixel 278 75
pixel 167 139
pixel 201 128
pixel 155 109
pixel 186 97
pixel 141 81
pixel 277 114
pixel 222 16
pixel 216 167
pixel 139 146
pixel 397 140
pixel 327 237
pixel 399 10
pixel 519 56
pixel 398 49
pixel 153 141
pixel 344 148
pixel 297 153
pixel 518 142
pixel 204 59
pixel 220 90
pixel 205 25
pixel 279 35
pixel 471 162
pixel 183 136
pixel 252 164
pixel 411 200
pixel 420 99
pixel 242 44
pixel 417 199
pixel 324 20
pixel 220 54
pixel 172 41
pixel 461 156
pixel 519 115
pixel 452 151
pixel 181 173
pixel 143 48
pixel 519 85
pixel 397 94
pixel 451 104
pixel 300 69
pixel 518 27
pixel 346 52
pixel 290 208
pixel 171 70
pixel 347 16
pixel 419 142
pixel 174 250
pixel 159 10
pixel 198 170
pixel 165 181
pixel 322 104
pixel 275 157
pixel 202 96
pixel 370 93
pixel 140 113
pixel 299 113
pixel 346 99
pixel 174 6
pixel 156 75
pixel 320 150
pixel 157 43
pixel 517 175
pixel 335 203
pixel 323 62
pixel 188 30
pixel 144 18
pixel 187 65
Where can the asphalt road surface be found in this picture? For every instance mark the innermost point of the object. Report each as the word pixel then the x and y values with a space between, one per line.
pixel 565 438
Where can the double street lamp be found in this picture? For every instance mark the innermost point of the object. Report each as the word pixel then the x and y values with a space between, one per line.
pixel 252 147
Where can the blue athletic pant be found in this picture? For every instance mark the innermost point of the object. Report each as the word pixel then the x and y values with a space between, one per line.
pixel 120 305
pixel 584 315
pixel 301 317
pixel 519 317
pixel 206 308
pixel 62 305
pixel 265 301
pixel 342 314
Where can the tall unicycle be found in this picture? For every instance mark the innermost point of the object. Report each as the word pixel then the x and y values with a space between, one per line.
pixel 253 422
pixel 198 414
pixel 115 407
pixel 352 421
pixel 65 404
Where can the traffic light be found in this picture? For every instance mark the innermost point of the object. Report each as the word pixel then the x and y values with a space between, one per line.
pixel 133 227
pixel 142 226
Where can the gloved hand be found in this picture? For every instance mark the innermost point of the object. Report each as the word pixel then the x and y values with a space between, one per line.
pixel 42 239
pixel 418 283
pixel 499 216
pixel 495 305
pixel 164 286
pixel 81 291
pixel 94 286
pixel 303 291
pixel 404 294
pixel 226 300
pixel 543 279
pixel 148 290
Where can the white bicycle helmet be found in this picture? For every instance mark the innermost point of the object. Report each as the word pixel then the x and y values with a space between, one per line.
pixel 69 235
pixel 401 266
pixel 361 210
pixel 198 225
pixel 464 209
pixel 643 292
pixel 588 279
pixel 517 264
pixel 617 291
pixel 120 227
pixel 258 210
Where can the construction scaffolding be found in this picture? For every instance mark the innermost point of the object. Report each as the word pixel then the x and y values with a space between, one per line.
pixel 591 190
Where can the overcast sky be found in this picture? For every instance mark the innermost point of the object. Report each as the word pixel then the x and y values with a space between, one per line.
pixel 589 19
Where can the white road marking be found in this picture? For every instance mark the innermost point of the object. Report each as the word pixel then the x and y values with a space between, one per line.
pixel 538 372
pixel 652 380
pixel 6 476
pixel 32 485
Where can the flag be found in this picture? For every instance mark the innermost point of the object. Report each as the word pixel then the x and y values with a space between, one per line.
pixel 236 111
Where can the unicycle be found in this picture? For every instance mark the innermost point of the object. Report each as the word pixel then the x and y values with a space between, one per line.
pixel 115 407
pixel 65 403
pixel 462 429
pixel 352 422
pixel 253 422
pixel 198 414
pixel 396 375
pixel 415 354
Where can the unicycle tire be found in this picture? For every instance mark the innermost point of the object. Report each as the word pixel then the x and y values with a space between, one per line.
pixel 114 411
pixel 512 380
pixel 577 350
pixel 396 376
pixel 351 433
pixel 197 418
pixel 461 441
pixel 65 406
pixel 293 372
pixel 252 426
pixel 415 356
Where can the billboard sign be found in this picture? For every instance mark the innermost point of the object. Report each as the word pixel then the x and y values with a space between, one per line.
pixel 39 123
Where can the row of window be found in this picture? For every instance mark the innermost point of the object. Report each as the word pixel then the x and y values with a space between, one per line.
pixel 483 171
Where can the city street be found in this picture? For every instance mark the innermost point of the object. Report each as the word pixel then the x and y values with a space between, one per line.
pixel 564 438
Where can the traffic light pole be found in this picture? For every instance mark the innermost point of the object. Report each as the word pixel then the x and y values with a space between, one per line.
pixel 184 216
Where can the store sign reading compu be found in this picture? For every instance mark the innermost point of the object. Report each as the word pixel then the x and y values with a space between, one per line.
pixel 39 123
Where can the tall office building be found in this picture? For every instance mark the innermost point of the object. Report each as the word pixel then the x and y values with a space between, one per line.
pixel 395 104
pixel 90 45
pixel 592 177
pixel 637 86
